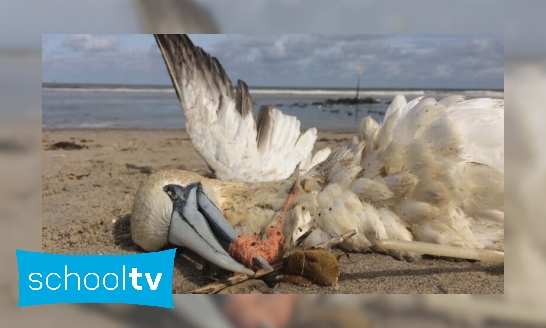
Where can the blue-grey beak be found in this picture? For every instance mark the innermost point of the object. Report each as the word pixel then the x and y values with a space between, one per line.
pixel 196 223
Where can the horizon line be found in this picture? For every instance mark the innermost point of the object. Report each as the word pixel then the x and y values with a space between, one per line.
pixel 277 87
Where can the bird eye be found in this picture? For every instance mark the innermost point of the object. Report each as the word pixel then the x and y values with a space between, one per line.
pixel 171 192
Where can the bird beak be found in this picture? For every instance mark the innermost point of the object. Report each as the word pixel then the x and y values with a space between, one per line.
pixel 196 223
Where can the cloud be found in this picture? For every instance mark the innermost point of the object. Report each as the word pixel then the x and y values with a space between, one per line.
pixel 89 43
pixel 408 61
pixel 122 62
pixel 128 63
pixel 388 60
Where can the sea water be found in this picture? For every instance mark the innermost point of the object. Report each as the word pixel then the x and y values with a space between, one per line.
pixel 157 107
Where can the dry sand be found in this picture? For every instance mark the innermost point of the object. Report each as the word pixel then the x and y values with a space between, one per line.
pixel 87 196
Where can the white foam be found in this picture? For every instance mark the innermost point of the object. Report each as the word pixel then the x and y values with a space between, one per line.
pixel 97 125
pixel 347 92
pixel 109 90
pixel 340 92
pixel 483 93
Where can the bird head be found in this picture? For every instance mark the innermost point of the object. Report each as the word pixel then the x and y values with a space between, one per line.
pixel 171 208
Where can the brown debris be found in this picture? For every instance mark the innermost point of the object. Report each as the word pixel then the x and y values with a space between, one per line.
pixel 318 265
pixel 296 280
pixel 66 145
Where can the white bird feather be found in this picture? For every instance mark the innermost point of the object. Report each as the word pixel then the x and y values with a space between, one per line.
pixel 221 125
pixel 432 171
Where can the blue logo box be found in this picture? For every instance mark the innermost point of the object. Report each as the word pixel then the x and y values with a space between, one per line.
pixel 143 279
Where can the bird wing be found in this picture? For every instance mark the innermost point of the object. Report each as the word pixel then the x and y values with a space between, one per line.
pixel 433 171
pixel 477 124
pixel 221 124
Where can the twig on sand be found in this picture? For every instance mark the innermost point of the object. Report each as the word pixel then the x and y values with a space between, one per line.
pixel 443 250
pixel 215 287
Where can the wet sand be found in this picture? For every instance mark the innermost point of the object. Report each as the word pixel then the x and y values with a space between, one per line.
pixel 87 196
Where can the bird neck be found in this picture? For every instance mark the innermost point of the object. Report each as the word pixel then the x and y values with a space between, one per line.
pixel 251 207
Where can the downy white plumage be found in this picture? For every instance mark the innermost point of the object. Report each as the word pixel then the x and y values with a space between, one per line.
pixel 433 171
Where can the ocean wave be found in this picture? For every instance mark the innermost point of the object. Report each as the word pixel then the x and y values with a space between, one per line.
pixel 335 92
pixel 381 93
pixel 484 93
pixel 252 91
pixel 109 90
pixel 309 92
pixel 97 125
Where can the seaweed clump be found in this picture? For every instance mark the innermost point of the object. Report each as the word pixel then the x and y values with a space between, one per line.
pixel 352 101
pixel 66 145
pixel 320 266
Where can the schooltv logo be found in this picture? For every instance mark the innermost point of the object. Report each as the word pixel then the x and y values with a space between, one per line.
pixel 143 279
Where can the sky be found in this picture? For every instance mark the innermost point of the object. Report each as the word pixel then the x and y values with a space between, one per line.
pixel 388 61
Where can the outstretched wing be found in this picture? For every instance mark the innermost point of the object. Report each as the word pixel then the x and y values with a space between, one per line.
pixel 221 124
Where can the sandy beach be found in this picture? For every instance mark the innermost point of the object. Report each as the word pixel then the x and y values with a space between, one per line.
pixel 87 195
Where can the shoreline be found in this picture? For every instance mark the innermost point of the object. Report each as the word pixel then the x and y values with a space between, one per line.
pixel 48 129
pixel 87 197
